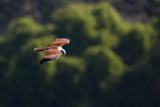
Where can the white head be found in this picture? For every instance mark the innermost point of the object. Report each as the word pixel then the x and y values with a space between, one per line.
pixel 61 50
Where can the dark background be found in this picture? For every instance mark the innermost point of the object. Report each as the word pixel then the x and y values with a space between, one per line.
pixel 113 58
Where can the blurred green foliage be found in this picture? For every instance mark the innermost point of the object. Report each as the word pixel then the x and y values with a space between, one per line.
pixel 109 62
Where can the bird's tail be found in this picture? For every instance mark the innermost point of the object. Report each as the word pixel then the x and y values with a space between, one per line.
pixel 39 49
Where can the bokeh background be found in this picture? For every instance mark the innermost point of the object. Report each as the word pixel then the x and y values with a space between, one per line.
pixel 113 59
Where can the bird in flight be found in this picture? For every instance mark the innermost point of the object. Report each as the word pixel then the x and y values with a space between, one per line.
pixel 53 50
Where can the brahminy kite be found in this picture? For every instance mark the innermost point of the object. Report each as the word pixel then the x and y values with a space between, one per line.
pixel 53 50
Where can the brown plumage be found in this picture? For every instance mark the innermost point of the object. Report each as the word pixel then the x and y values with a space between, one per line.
pixel 53 49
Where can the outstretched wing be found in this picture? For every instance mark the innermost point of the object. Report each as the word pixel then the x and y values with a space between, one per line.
pixel 59 42
pixel 51 54
pixel 49 58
